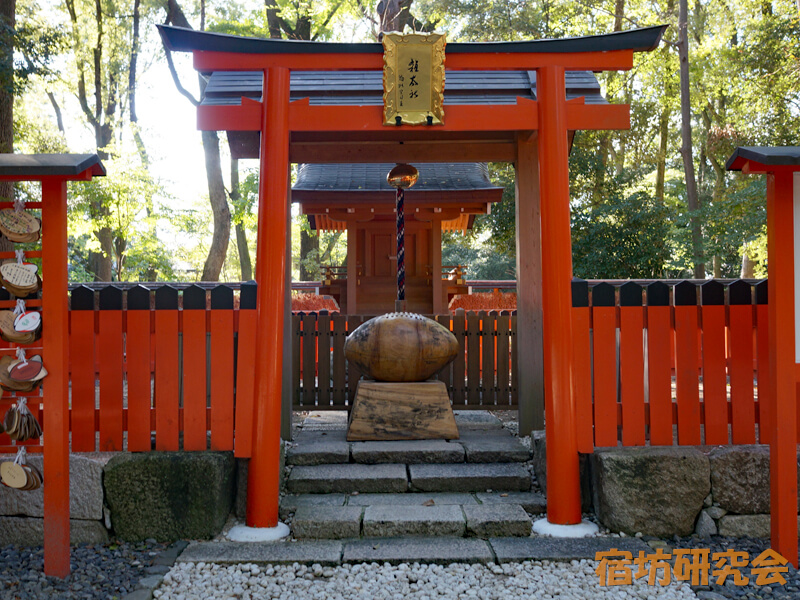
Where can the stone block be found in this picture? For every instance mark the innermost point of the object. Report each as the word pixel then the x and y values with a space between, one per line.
pixel 396 521
pixel 754 526
pixel 325 479
pixel 497 520
pixel 561 549
pixel 142 594
pixel 169 495
pixel 407 452
pixel 414 499
pixel 318 453
pixel 533 502
pixel 314 436
pixel 85 488
pixel 476 419
pixel 482 447
pixel 654 490
pixel 324 552
pixel 290 503
pixel 539 448
pixel 470 477
pixel 327 522
pixel 325 420
pixel 740 478
pixel 706 527
pixel 29 531
pixel 440 550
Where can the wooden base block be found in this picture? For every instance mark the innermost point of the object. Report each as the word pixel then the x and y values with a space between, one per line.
pixel 401 411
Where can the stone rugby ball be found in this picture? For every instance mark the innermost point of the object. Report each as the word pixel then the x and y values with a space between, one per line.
pixel 400 347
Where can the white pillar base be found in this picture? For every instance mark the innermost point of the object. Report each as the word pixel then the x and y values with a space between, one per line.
pixel 579 530
pixel 243 533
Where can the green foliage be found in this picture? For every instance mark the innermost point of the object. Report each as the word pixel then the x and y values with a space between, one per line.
pixel 624 237
pixel 128 194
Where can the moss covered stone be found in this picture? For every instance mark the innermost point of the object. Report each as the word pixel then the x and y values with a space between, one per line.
pixel 169 495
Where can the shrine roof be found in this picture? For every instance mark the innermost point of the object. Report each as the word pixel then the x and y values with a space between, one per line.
pixel 187 40
pixel 433 177
pixel 765 155
pixel 45 165
pixel 226 88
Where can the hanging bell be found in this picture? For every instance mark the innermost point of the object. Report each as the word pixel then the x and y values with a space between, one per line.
pixel 402 176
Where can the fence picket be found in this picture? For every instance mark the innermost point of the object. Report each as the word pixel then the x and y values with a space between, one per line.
pixel 660 339
pixel 631 364
pixel 688 394
pixel 245 367
pixel 582 364
pixel 309 360
pixel 339 367
pixel 762 347
pixel 139 375
pixel 503 360
pixel 167 373
pixel 741 364
pixel 488 370
pixel 81 353
pixel 297 368
pixel 604 351
pixel 353 372
pixel 459 364
pixel 324 358
pixel 221 368
pixel 446 373
pixel 715 392
pixel 514 360
pixel 110 358
pixel 194 368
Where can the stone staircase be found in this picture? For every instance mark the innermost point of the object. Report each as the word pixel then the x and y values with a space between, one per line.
pixel 477 486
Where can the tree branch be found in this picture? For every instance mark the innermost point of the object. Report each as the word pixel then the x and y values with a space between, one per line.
pixel 327 20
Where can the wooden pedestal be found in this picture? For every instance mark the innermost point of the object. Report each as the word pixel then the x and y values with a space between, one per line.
pixel 401 411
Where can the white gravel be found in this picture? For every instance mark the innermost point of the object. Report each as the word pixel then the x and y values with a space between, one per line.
pixel 528 580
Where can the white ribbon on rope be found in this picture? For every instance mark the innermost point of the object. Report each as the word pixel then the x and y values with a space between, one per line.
pixel 21 356
pixel 22 456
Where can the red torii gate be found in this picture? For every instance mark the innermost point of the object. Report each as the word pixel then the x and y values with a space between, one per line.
pixel 779 417
pixel 532 133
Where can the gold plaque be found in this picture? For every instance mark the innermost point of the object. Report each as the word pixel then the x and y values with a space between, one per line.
pixel 413 79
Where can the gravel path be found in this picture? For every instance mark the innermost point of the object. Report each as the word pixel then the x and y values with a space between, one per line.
pixel 754 547
pixel 104 572
pixel 528 580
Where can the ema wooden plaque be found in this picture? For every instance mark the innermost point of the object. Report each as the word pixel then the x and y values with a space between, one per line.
pixel 413 79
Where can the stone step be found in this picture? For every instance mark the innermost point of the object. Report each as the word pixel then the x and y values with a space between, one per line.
pixel 392 478
pixel 326 479
pixel 317 447
pixel 420 519
pixel 468 477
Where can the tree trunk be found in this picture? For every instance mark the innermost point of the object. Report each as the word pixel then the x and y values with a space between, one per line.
pixel 219 208
pixel 692 198
pixel 748 264
pixel 663 138
pixel 245 265
pixel 309 242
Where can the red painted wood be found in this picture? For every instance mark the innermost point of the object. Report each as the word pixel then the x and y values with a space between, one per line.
pixel 715 389
pixel 582 374
pixel 109 356
pixel 245 366
pixel 742 407
pixel 686 361
pixel 762 362
pixel 137 348
pixel 631 367
pixel 194 380
pixel 166 379
pixel 604 347
pixel 221 379
pixel 659 374
pixel 81 350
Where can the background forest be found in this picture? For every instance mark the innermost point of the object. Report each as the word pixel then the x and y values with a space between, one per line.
pixel 654 201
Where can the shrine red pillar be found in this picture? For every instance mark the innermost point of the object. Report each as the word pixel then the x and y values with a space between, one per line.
pixel 563 490
pixel 783 409
pixel 263 482
pixel 55 340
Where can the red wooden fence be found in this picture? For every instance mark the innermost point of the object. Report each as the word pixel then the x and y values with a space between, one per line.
pixel 655 363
